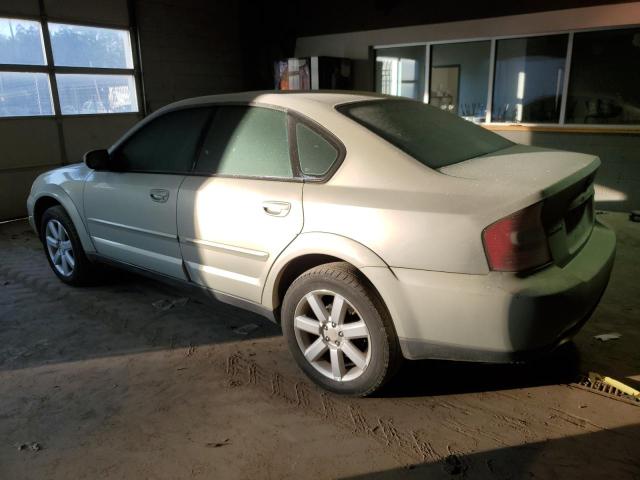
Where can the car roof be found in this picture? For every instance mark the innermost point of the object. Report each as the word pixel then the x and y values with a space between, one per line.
pixel 297 100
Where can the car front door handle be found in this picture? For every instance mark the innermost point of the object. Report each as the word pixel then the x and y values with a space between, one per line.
pixel 159 195
pixel 276 209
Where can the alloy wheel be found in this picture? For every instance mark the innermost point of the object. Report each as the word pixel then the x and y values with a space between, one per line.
pixel 332 335
pixel 59 248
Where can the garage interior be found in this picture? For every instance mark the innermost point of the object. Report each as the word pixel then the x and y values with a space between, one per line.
pixel 135 379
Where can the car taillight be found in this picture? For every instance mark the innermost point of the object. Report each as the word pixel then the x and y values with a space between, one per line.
pixel 517 242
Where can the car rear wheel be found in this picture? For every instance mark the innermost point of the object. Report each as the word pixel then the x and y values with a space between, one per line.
pixel 339 331
pixel 63 248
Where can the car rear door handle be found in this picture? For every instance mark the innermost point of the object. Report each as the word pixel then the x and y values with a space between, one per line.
pixel 159 195
pixel 276 209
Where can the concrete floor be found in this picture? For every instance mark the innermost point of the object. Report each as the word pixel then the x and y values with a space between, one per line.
pixel 110 385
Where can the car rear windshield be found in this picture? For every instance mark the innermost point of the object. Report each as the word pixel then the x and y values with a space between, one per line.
pixel 432 136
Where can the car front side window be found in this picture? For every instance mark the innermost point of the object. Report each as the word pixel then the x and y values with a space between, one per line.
pixel 167 144
pixel 246 141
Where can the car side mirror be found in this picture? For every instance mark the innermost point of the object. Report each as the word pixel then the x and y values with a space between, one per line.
pixel 97 159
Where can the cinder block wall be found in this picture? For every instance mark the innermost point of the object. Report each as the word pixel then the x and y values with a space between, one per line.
pixel 189 48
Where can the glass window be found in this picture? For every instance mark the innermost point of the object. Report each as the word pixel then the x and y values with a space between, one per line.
pixel 431 136
pixel 246 141
pixel 167 144
pixel 400 71
pixel 80 46
pixel 85 93
pixel 21 42
pixel 459 78
pixel 604 83
pixel 528 79
pixel 316 154
pixel 25 93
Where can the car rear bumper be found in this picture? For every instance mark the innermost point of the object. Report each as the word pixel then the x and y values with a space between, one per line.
pixel 499 317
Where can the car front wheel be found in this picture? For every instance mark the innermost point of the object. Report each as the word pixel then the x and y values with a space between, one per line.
pixel 339 331
pixel 63 248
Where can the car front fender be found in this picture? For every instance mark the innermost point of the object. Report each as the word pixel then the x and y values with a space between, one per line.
pixel 58 194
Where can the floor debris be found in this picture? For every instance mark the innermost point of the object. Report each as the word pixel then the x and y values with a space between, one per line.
pixel 33 446
pixel 166 304
pixel 245 329
pixel 226 441
pixel 605 337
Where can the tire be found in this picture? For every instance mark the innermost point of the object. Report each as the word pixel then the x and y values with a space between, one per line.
pixel 82 272
pixel 342 286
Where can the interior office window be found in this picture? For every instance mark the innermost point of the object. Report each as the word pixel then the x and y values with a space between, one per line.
pixel 248 142
pixel 528 79
pixel 316 154
pixel 400 71
pixel 81 46
pixel 459 78
pixel 166 144
pixel 90 93
pixel 21 42
pixel 604 84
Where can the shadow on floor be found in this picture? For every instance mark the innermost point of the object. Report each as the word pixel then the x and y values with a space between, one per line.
pixel 588 456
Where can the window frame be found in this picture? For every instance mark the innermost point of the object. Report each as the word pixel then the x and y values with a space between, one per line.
pixel 557 127
pixel 51 69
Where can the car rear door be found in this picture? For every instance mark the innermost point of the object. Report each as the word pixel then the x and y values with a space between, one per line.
pixel 242 205
pixel 131 210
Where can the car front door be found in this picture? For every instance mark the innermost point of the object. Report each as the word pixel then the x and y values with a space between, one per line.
pixel 242 205
pixel 131 209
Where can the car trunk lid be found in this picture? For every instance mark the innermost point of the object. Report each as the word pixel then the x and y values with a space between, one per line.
pixel 563 180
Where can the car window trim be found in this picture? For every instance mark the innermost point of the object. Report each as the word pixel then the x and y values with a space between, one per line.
pixel 293 118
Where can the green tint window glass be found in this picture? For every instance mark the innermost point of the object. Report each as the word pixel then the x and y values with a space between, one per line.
pixel 315 153
pixel 432 136
pixel 166 144
pixel 246 141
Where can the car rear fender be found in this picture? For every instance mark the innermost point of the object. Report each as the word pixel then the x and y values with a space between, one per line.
pixel 318 243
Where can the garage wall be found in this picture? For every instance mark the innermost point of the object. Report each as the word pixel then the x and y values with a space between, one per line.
pixel 189 48
pixel 619 177
pixel 31 145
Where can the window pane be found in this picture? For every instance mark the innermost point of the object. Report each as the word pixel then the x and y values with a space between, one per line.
pixel 400 71
pixel 82 94
pixel 247 141
pixel 21 42
pixel 167 144
pixel 78 46
pixel 528 79
pixel 604 84
pixel 315 153
pixel 460 77
pixel 24 94
pixel 431 136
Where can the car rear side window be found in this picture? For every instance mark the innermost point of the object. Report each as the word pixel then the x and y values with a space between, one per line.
pixel 247 142
pixel 430 135
pixel 167 144
pixel 315 153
